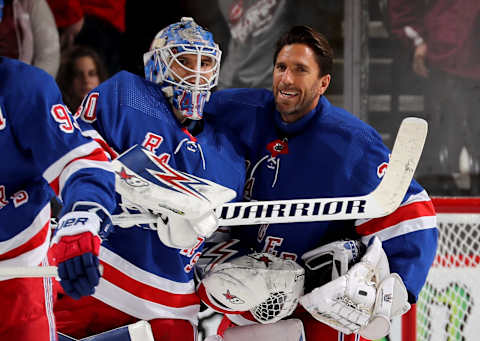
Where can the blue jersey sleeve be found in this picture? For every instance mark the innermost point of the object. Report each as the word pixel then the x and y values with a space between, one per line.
pixel 74 166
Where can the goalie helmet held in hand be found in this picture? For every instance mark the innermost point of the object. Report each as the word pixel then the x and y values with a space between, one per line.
pixel 185 60
pixel 266 285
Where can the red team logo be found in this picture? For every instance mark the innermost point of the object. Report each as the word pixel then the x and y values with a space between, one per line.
pixel 278 147
pixel 381 169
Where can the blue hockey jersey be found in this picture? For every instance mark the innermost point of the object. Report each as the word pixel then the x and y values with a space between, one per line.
pixel 43 154
pixel 143 277
pixel 327 153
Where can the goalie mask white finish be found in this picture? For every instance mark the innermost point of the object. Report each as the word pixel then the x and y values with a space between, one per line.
pixel 266 285
pixel 185 60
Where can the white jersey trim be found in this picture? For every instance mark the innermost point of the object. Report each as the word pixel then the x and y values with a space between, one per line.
pixel 141 308
pixel 143 276
pixel 406 226
pixel 55 169
pixel 31 258
pixel 23 237
pixel 78 165
pixel 419 197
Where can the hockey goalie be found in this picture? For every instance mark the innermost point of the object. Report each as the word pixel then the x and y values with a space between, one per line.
pixel 345 285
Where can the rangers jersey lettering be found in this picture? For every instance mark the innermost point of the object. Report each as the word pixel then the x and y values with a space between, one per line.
pixel 328 153
pixel 41 150
pixel 143 277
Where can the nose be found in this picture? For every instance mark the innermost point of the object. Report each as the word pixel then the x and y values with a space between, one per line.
pixel 287 77
pixel 84 77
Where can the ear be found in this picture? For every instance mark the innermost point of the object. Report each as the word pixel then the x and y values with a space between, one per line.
pixel 324 83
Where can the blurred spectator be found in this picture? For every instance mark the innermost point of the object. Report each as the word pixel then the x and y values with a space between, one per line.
pixel 255 26
pixel 28 33
pixel 443 38
pixel 99 24
pixel 81 70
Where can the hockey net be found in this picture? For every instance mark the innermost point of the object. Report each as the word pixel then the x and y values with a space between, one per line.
pixel 448 307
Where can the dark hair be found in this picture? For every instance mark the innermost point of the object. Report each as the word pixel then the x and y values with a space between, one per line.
pixel 313 39
pixel 66 71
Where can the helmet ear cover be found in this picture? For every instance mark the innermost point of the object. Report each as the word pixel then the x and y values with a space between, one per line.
pixel 186 84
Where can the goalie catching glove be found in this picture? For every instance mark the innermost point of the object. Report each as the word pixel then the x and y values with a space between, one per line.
pixel 363 300
pixel 265 285
pixel 183 203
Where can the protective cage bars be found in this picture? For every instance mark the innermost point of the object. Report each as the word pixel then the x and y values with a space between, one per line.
pixel 448 307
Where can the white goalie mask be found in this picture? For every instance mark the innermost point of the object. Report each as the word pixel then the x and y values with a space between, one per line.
pixel 266 285
pixel 285 284
pixel 185 61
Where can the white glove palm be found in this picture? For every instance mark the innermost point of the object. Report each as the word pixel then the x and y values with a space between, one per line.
pixel 363 300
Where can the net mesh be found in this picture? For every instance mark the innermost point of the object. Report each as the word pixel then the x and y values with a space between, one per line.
pixel 446 308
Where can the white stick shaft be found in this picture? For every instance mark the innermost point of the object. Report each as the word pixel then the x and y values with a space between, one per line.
pixel 32 271
pixel 380 202
pixel 29 271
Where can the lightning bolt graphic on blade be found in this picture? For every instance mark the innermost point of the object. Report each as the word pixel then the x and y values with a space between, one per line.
pixel 174 179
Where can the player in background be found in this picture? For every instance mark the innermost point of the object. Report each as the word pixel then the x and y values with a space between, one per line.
pixel 146 277
pixel 43 155
pixel 298 145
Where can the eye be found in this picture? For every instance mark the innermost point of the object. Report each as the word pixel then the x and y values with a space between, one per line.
pixel 183 61
pixel 207 62
pixel 280 67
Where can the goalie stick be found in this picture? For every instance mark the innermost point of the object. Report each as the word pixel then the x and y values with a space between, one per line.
pixel 382 201
pixel 32 271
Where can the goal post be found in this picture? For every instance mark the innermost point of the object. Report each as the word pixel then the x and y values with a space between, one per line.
pixel 448 307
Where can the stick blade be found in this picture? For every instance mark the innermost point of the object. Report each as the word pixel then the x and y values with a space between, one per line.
pixel 406 153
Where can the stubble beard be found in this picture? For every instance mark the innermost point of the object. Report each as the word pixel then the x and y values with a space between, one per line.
pixel 298 108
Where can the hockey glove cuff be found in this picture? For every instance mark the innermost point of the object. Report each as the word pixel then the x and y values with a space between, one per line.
pixel 75 248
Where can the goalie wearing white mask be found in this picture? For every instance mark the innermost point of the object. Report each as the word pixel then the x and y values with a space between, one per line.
pixel 185 60
pixel 172 164
pixel 301 146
